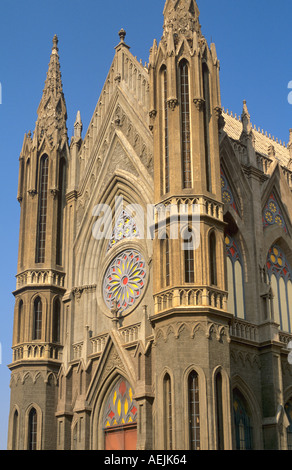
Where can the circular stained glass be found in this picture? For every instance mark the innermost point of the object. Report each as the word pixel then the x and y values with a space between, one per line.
pixel 124 280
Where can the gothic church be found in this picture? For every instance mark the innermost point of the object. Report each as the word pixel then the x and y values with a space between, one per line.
pixel 128 334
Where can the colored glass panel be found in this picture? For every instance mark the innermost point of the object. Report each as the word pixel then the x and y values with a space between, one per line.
pixel 280 275
pixel 272 214
pixel 121 408
pixel 227 195
pixel 125 228
pixel 124 281
pixel 236 299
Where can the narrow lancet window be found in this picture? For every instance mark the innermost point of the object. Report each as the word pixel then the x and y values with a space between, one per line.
pixel 194 411
pixel 37 321
pixel 32 430
pixel 59 254
pixel 213 263
pixel 166 141
pixel 207 117
pixel 167 412
pixel 188 249
pixel 56 321
pixel 185 124
pixel 42 215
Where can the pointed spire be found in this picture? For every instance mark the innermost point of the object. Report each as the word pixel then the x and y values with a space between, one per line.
pixel 181 17
pixel 245 119
pixel 78 126
pixel 52 112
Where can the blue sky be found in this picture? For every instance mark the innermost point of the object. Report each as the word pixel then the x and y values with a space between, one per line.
pixel 253 41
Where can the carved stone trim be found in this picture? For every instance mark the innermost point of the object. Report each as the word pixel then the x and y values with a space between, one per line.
pixel 172 104
pixel 199 103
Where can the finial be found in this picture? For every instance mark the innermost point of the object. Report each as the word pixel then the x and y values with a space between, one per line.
pixel 122 34
pixel 55 43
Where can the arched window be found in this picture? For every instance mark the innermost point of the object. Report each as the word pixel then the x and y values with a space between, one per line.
pixel 56 320
pixel 194 411
pixel 235 278
pixel 168 430
pixel 120 418
pixel 207 117
pixel 15 431
pixel 212 259
pixel 185 124
pixel 20 321
pixel 166 141
pixel 167 261
pixel 59 245
pixel 219 412
pixel 32 430
pixel 188 248
pixel 242 422
pixel 37 320
pixel 280 276
pixel 42 211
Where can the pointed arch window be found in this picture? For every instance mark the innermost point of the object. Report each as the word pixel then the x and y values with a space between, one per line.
pixel 280 276
pixel 166 264
pixel 235 278
pixel 37 320
pixel 168 423
pixel 194 411
pixel 125 228
pixel 207 117
pixel 42 211
pixel 56 320
pixel 185 124
pixel 20 321
pixel 15 430
pixel 32 430
pixel 219 411
pixel 188 248
pixel 212 258
pixel 59 244
pixel 242 422
pixel 166 131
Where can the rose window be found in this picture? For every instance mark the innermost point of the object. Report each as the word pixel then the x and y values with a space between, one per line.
pixel 124 281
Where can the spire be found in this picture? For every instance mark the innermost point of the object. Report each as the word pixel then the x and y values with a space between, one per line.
pixel 181 18
pixel 52 112
pixel 78 126
pixel 245 119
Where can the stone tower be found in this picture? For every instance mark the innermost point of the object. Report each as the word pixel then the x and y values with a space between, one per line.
pixel 191 318
pixel 40 276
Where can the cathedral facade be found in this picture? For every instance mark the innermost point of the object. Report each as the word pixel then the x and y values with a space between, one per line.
pixel 153 301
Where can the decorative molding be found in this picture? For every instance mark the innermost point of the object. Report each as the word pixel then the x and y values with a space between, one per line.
pixel 199 103
pixel 172 104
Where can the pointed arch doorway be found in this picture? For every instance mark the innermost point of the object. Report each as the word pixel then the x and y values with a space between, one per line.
pixel 120 418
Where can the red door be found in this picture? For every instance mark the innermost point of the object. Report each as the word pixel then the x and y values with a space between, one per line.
pixel 121 438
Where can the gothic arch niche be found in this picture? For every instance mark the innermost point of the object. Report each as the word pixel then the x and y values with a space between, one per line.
pixel 246 399
pixel 118 418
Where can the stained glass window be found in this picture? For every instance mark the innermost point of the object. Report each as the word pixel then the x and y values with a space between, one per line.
pixel 121 408
pixel 227 195
pixel 280 275
pixel 235 278
pixel 124 281
pixel 125 228
pixel 272 214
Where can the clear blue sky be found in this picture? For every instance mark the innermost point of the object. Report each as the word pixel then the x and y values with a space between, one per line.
pixel 253 41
